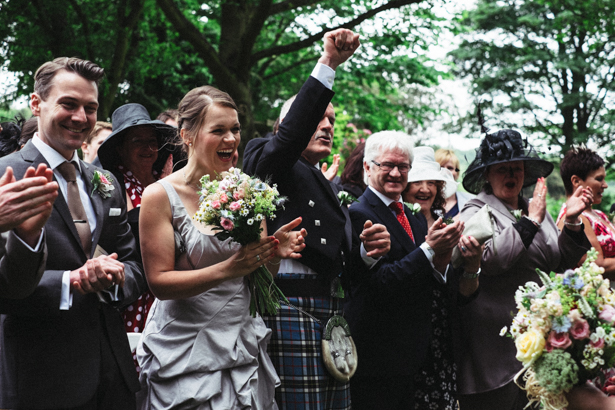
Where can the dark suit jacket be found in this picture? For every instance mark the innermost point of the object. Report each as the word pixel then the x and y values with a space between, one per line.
pixel 51 358
pixel 389 308
pixel 310 194
pixel 20 268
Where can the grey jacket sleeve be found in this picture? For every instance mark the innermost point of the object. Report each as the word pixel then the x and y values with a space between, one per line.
pixel 21 269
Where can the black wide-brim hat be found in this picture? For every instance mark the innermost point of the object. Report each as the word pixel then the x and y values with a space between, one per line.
pixel 130 116
pixel 504 146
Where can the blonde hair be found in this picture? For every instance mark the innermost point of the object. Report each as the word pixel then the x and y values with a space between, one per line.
pixel 443 156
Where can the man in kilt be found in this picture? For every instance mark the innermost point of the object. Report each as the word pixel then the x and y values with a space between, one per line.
pixel 313 286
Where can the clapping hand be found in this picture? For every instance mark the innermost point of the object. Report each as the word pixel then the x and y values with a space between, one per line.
pixel 538 205
pixel 331 172
pixel 376 239
pixel 98 274
pixel 290 242
pixel 581 200
pixel 26 205
pixel 472 252
pixel 442 238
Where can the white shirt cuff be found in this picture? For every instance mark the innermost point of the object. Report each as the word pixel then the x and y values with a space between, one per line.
pixel 368 260
pixel 37 248
pixel 324 74
pixel 429 255
pixel 66 298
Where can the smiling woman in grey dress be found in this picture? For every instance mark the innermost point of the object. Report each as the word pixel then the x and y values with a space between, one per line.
pixel 201 349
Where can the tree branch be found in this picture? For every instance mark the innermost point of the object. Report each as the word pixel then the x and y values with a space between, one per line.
pixel 253 29
pixel 86 29
pixel 290 67
pixel 189 32
pixel 298 45
pixel 291 5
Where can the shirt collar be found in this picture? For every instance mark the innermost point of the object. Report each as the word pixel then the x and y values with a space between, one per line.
pixel 53 157
pixel 387 201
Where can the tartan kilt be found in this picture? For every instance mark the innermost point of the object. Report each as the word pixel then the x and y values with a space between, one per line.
pixel 296 352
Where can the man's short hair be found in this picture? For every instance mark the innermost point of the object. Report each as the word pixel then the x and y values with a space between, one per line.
pixel 387 141
pixel 45 73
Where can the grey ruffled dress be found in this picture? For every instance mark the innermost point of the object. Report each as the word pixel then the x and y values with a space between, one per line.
pixel 206 351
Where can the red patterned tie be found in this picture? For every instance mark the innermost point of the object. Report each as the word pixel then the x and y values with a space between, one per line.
pixel 398 207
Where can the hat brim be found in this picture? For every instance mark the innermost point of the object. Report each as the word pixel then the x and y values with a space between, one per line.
pixel 534 168
pixel 165 134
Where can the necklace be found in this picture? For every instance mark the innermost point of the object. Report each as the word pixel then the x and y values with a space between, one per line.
pixel 188 183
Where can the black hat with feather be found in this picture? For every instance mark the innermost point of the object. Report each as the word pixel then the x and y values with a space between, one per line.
pixel 503 146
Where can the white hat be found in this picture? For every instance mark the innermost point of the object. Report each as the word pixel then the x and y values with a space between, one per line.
pixel 425 168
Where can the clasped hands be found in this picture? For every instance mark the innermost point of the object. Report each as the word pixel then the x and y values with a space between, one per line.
pixel 442 238
pixel 98 274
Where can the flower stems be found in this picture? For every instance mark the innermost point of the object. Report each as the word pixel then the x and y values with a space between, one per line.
pixel 264 293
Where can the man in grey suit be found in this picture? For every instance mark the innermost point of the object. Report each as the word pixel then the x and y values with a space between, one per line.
pixel 65 346
pixel 25 206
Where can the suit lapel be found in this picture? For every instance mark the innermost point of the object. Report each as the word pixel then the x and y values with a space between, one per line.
pixel 97 202
pixel 389 220
pixel 32 155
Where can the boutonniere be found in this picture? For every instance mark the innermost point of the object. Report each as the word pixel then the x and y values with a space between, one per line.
pixel 346 198
pixel 517 213
pixel 414 208
pixel 102 184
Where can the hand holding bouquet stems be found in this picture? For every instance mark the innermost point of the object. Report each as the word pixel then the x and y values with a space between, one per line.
pixel 237 205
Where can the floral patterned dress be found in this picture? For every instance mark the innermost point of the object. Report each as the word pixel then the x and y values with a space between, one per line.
pixel 436 383
pixel 606 237
pixel 602 228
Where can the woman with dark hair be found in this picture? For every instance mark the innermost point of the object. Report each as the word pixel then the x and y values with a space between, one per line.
pixel 135 152
pixel 9 137
pixel 428 185
pixel 352 176
pixel 584 168
pixel 525 238
pixel 30 127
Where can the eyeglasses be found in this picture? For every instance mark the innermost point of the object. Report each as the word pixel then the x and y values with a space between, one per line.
pixel 389 166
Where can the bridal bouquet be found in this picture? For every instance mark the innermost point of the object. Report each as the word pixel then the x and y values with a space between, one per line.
pixel 564 331
pixel 235 204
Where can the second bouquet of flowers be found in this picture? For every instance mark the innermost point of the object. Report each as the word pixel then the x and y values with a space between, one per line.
pixel 564 331
pixel 236 204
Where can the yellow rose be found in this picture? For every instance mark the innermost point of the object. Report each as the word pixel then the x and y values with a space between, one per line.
pixel 529 344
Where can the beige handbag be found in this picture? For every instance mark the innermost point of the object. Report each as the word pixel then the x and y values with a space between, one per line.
pixel 480 226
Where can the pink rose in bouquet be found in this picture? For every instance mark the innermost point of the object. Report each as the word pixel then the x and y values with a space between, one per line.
pixel 607 314
pixel 580 329
pixel 227 224
pixel 558 340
